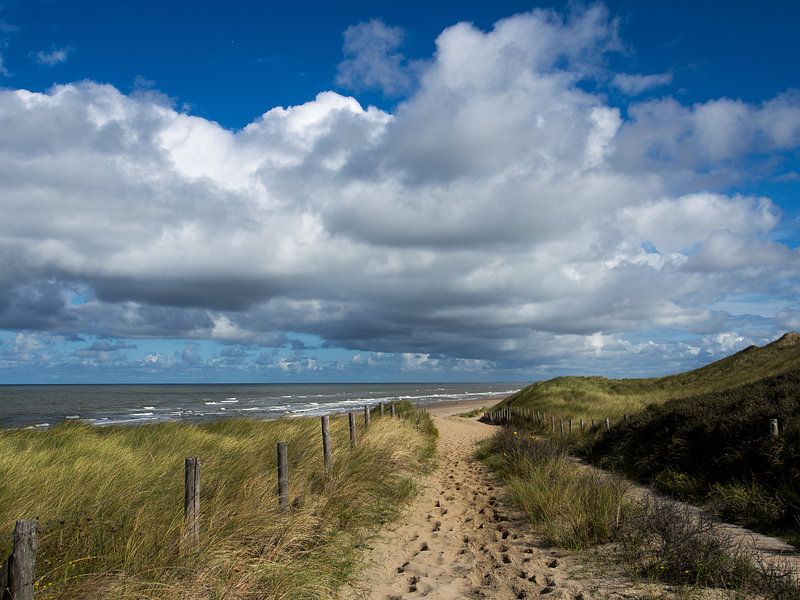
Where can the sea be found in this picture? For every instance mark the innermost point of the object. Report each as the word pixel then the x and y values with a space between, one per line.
pixel 43 406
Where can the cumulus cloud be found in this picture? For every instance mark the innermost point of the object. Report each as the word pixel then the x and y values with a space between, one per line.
pixel 52 57
pixel 501 216
pixel 635 84
pixel 374 60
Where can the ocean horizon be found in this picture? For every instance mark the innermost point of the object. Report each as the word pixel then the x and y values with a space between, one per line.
pixel 45 405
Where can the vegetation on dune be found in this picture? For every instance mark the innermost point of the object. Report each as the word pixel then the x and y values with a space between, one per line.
pixel 651 538
pixel 574 508
pixel 600 397
pixel 110 504
pixel 701 436
pixel 715 448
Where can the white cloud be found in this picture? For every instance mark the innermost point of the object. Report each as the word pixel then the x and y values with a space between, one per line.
pixel 633 84
pixel 374 60
pixel 500 215
pixel 52 57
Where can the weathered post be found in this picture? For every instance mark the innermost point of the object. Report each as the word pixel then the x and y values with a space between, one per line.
pixel 570 425
pixel 392 410
pixel 608 424
pixel 21 565
pixel 191 499
pixel 351 420
pixel 581 424
pixel 326 442
pixel 561 426
pixel 592 423
pixel 773 428
pixel 380 407
pixel 366 417
pixel 283 476
pixel 553 424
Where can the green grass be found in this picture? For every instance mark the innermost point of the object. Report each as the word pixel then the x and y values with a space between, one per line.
pixel 573 508
pixel 652 539
pixel 715 449
pixel 110 505
pixel 599 397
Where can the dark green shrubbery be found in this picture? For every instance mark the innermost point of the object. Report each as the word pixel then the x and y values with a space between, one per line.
pixel 716 447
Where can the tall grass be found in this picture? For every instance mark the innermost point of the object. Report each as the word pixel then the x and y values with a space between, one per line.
pixel 572 507
pixel 110 505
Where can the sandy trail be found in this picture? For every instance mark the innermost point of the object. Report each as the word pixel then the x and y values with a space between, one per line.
pixel 460 540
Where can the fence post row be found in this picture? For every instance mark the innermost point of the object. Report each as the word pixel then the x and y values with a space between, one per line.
pixel 283 476
pixel 191 499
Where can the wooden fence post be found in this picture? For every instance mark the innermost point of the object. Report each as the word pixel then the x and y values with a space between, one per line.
pixel 392 410
pixel 553 424
pixel 773 428
pixel 570 425
pixel 283 476
pixel 366 417
pixel 20 572
pixel 561 425
pixel 380 407
pixel 351 419
pixel 581 424
pixel 326 442
pixel 191 499
pixel 608 424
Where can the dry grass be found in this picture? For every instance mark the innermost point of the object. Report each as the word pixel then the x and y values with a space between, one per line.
pixel 110 505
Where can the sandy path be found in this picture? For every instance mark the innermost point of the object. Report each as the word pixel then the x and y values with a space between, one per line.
pixel 460 540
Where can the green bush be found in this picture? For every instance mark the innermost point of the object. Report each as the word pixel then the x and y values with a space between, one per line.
pixel 750 504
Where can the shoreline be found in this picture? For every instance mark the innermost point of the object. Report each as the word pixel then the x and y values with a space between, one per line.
pixel 445 408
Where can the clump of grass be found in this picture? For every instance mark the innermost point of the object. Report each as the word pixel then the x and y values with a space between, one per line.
pixel 109 502
pixel 573 508
pixel 473 413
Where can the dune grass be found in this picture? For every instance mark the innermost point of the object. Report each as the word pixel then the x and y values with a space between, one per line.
pixel 573 508
pixel 600 397
pixel 110 505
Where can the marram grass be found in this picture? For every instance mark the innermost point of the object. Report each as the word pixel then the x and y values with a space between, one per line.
pixel 110 505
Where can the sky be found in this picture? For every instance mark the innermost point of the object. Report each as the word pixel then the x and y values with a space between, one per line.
pixel 323 192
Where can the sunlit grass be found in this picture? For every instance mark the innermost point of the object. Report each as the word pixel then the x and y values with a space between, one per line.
pixel 110 505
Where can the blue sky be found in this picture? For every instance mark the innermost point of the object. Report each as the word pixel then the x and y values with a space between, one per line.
pixel 356 192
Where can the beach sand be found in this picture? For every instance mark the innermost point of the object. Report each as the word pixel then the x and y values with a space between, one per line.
pixel 461 538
